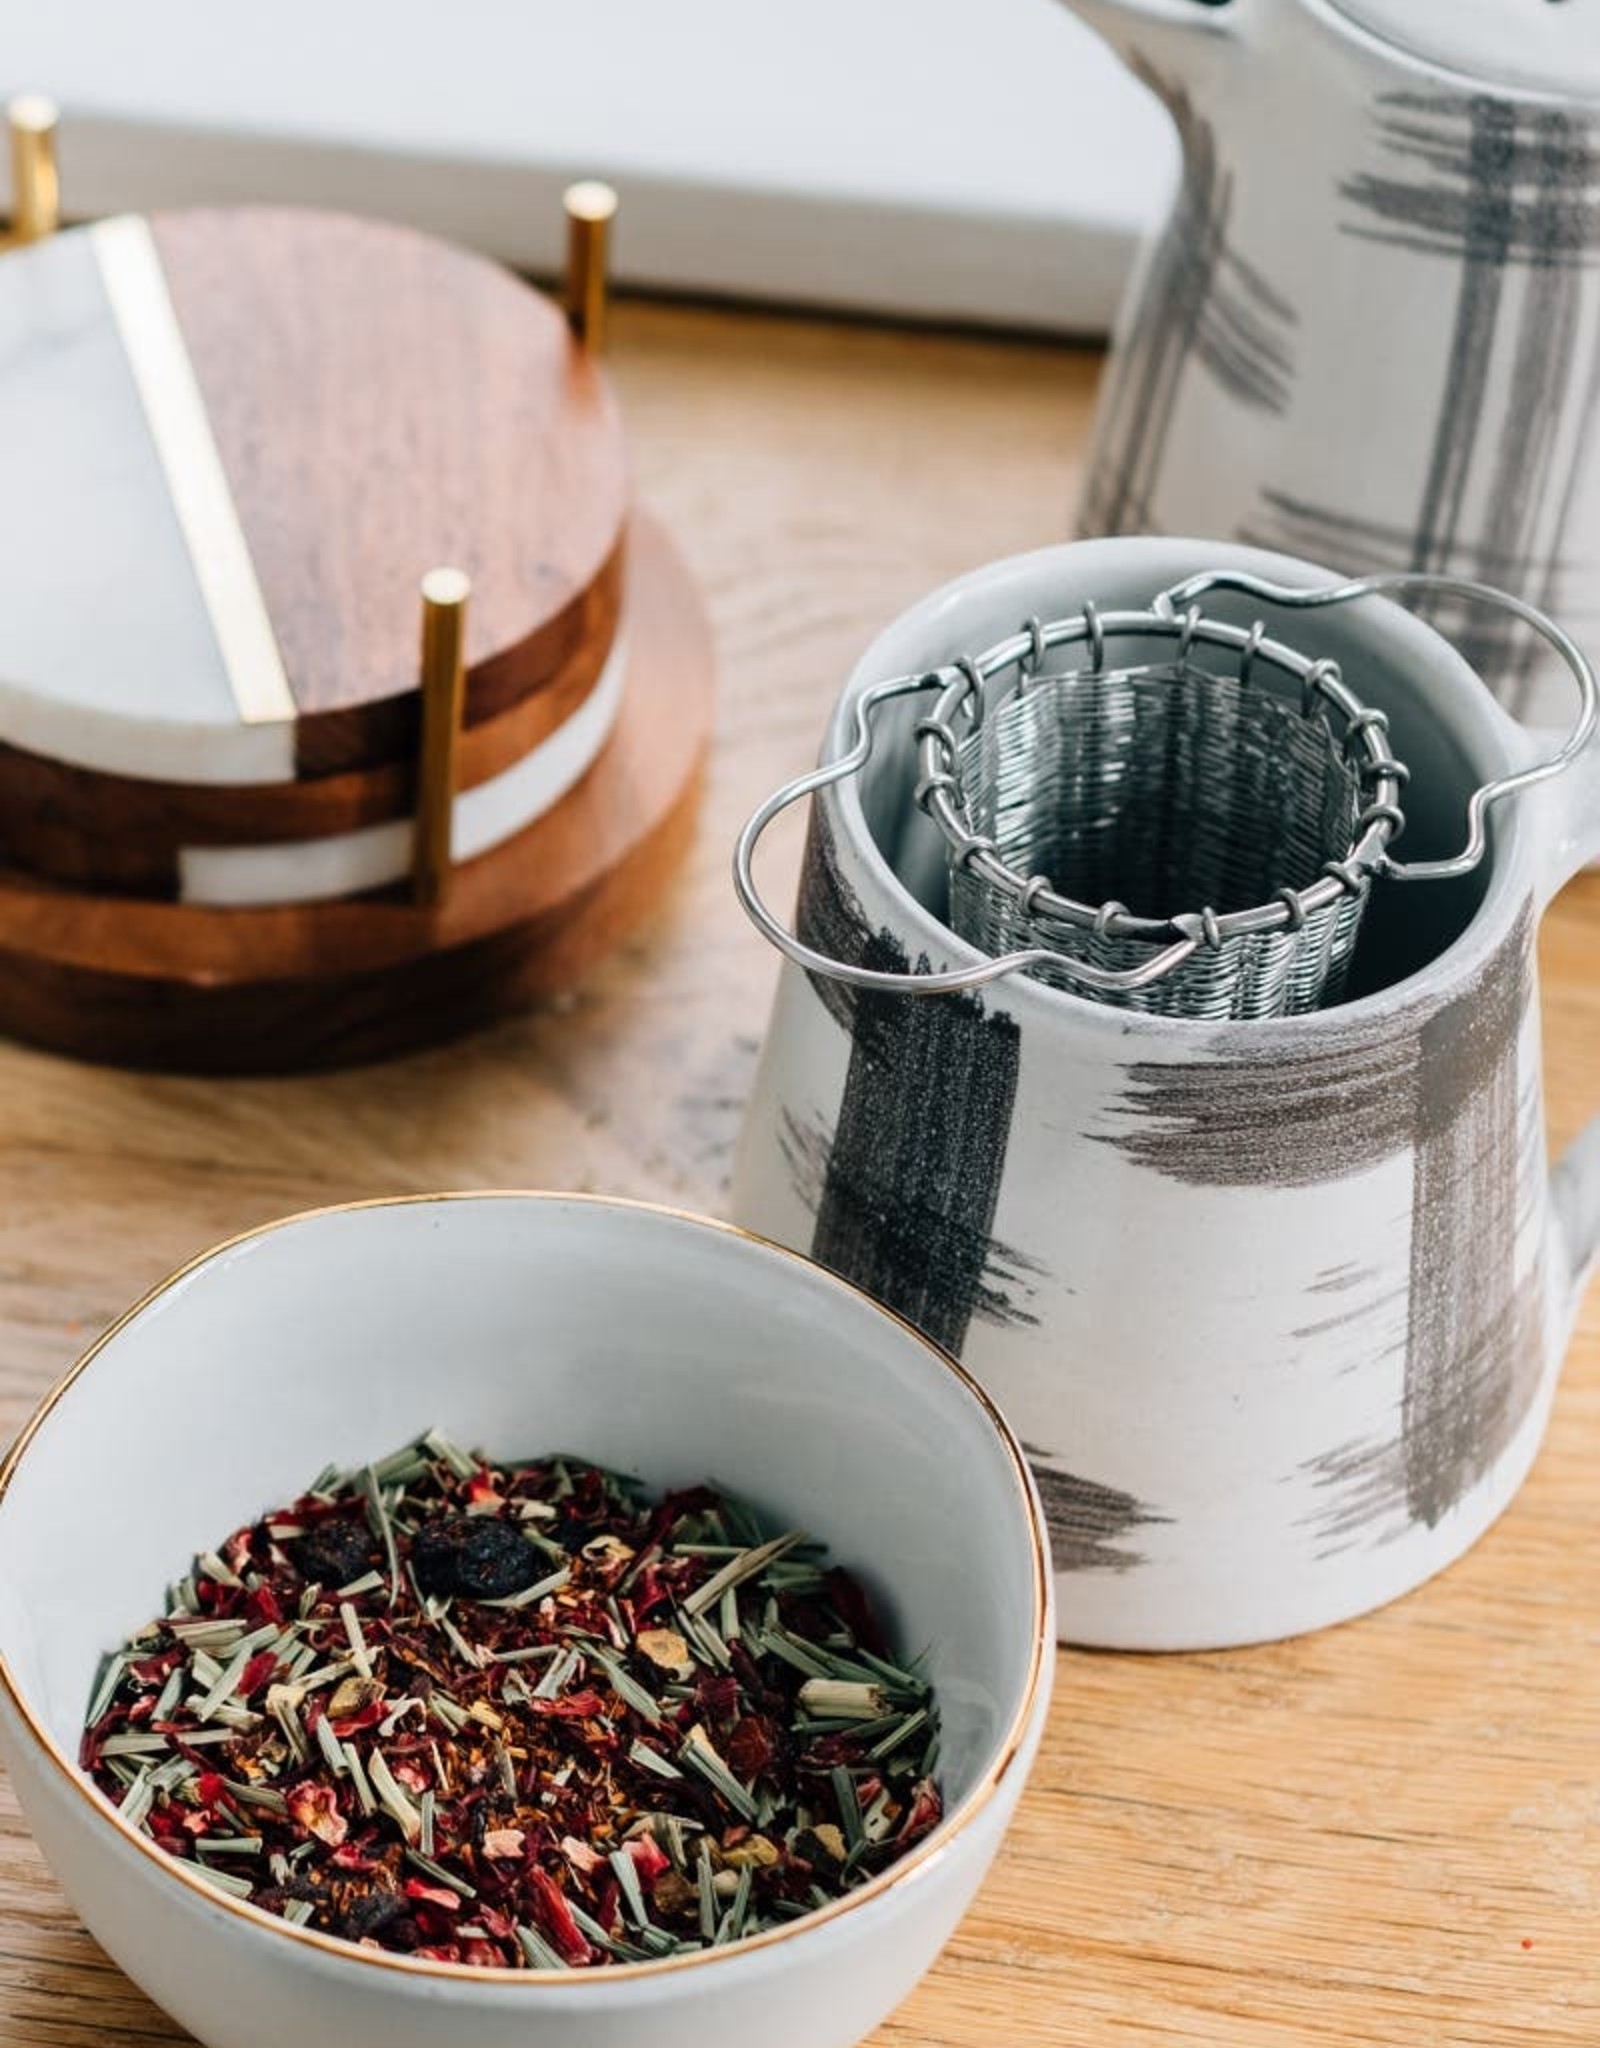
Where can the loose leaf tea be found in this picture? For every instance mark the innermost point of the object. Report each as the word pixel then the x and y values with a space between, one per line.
pixel 518 1715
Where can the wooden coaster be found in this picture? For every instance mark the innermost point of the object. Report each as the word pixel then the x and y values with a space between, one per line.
pixel 234 442
pixel 128 835
pixel 204 990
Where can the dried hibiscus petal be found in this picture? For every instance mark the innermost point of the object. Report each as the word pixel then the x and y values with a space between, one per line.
pixel 433 1895
pixel 577 1706
pixel 262 1605
pixel 352 1724
pixel 585 1860
pixel 750 1746
pixel 648 1858
pixel 256 1673
pixel 925 1811
pixel 854 1608
pixel 716 1695
pixel 554 1917
pixel 482 1491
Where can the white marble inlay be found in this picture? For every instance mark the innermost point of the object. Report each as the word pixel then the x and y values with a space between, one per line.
pixel 346 863
pixel 136 285
pixel 108 658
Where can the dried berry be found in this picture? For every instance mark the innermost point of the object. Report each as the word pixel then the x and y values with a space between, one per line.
pixel 334 1552
pixel 474 1555
pixel 370 1913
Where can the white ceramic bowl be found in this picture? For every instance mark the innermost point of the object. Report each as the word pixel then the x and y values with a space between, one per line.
pixel 657 1342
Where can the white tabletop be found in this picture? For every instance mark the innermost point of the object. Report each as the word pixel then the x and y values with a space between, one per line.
pixel 977 159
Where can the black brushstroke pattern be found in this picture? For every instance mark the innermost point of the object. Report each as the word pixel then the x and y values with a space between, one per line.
pixel 1489 186
pixel 1298 525
pixel 1342 1278
pixel 904 1190
pixel 1443 1082
pixel 1365 1485
pixel 1088 1522
pixel 1202 303
pixel 828 918
pixel 911 1174
pixel 1371 1485
pixel 1542 361
pixel 1493 188
pixel 914 1169
pixel 1006 1286
pixel 1241 1121
pixel 1500 180
pixel 1350 1315
pixel 1485 233
pixel 1473 1350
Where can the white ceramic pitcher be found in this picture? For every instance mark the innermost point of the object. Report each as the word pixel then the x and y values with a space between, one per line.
pixel 1370 332
pixel 1277 1306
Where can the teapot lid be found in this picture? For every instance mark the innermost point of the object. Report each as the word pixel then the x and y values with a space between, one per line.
pixel 1548 46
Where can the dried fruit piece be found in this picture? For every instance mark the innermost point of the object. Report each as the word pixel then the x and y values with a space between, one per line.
pixel 316 1809
pixel 335 1552
pixel 667 1650
pixel 351 1695
pixel 370 1913
pixel 479 1558
pixel 822 1844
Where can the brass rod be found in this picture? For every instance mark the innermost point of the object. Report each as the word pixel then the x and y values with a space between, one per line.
pixel 444 629
pixel 35 182
pixel 591 208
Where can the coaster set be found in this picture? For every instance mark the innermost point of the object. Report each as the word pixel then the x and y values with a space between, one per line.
pixel 249 818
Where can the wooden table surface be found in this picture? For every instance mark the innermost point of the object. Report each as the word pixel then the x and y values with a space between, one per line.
pixel 1389 1833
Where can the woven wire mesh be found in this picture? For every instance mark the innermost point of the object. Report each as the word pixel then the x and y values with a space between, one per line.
pixel 1165 788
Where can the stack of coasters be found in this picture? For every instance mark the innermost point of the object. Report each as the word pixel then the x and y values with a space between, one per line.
pixel 237 441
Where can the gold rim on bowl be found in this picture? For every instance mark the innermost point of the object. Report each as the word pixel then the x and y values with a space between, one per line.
pixel 909 1867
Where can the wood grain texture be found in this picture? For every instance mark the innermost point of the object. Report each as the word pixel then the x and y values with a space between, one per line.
pixel 224 991
pixel 1325 1844
pixel 385 404
pixel 122 835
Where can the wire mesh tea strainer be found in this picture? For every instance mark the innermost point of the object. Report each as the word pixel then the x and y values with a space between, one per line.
pixel 1260 795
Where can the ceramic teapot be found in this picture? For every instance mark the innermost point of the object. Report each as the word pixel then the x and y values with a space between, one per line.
pixel 1370 331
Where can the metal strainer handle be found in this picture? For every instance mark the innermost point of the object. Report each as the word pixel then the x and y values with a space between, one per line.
pixel 1182 595
pixel 946 981
pixel 1170 605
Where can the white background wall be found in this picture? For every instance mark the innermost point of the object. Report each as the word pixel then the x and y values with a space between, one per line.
pixel 986 159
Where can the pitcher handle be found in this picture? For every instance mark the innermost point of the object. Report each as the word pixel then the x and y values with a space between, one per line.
pixel 1573 838
pixel 1571 844
pixel 1139 29
pixel 1575 1199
